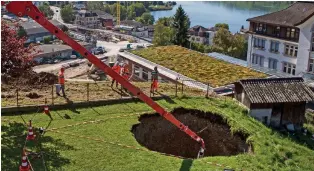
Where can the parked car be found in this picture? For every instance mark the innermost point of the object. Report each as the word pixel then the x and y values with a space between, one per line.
pixel 73 57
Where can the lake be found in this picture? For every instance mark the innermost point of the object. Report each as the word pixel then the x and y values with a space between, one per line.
pixel 207 14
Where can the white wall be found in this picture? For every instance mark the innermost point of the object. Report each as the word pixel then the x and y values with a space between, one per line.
pixel 304 45
pixel 259 114
pixel 280 57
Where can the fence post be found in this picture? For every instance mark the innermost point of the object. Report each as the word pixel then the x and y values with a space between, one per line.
pixel 176 87
pixel 52 94
pixel 17 97
pixel 182 87
pixel 207 90
pixel 87 90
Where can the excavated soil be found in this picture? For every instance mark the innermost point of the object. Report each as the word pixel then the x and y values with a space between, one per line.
pixel 158 134
pixel 30 79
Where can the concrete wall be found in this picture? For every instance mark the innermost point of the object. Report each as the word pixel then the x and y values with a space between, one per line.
pixel 305 45
pixel 260 114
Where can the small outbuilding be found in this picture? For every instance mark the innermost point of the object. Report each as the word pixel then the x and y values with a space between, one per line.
pixel 275 101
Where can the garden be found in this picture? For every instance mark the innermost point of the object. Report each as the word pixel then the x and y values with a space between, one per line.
pixel 197 66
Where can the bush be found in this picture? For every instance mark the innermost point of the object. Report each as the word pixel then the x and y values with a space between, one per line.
pixel 47 40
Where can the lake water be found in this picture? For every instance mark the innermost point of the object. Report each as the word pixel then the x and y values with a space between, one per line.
pixel 207 14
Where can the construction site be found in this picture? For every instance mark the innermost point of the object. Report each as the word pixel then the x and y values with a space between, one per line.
pixel 106 118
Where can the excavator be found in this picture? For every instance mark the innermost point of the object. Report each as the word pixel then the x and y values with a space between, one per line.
pixel 27 8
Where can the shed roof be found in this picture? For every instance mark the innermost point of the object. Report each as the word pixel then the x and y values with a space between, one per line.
pixel 277 90
pixel 294 15
pixel 35 28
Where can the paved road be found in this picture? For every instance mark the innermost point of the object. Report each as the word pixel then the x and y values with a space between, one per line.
pixel 111 48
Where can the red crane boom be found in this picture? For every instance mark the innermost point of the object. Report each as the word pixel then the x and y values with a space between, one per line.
pixel 22 8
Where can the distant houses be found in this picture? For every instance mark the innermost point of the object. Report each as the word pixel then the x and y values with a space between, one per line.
pixel 35 32
pixel 202 35
pixel 94 19
pixel 135 28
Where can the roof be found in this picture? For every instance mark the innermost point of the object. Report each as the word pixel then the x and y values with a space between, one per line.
pixel 103 15
pixel 85 13
pixel 50 48
pixel 198 28
pixel 294 15
pixel 213 29
pixel 277 90
pixel 132 23
pixel 35 28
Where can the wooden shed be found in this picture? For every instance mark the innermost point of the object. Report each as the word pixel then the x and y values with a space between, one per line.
pixel 275 101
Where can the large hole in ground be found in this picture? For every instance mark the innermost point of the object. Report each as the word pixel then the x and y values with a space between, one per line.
pixel 158 134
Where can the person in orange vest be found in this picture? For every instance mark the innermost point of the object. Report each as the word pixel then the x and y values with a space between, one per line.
pixel 61 82
pixel 117 69
pixel 154 85
pixel 125 73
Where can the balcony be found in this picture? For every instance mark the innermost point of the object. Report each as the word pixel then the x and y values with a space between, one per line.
pixel 284 33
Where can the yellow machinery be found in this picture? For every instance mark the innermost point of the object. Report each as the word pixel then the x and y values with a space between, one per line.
pixel 118 13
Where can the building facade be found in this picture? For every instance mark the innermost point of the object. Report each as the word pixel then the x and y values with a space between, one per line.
pixel 87 19
pixel 275 101
pixel 202 35
pixel 283 40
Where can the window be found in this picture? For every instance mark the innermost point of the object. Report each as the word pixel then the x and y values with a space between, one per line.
pixel 312 41
pixel 272 63
pixel 276 31
pixel 261 28
pixel 145 74
pixel 311 65
pixel 291 50
pixel 274 46
pixel 289 68
pixel 292 33
pixel 136 70
pixel 258 60
pixel 259 43
pixel 198 39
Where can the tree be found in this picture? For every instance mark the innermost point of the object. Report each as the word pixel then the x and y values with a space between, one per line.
pixel 166 21
pixel 162 35
pixel 67 13
pixel 147 18
pixel 21 32
pixel 95 5
pixel 181 25
pixel 15 58
pixel 222 25
pixel 107 9
pixel 47 40
pixel 45 8
pixel 138 8
pixel 232 45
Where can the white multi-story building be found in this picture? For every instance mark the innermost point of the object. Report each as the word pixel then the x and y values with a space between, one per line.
pixel 202 35
pixel 284 40
pixel 87 19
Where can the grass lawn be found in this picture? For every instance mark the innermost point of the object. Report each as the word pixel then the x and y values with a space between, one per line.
pixel 197 66
pixel 106 146
pixel 77 91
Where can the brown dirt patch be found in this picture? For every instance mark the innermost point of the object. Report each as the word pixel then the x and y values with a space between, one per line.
pixel 158 134
pixel 33 95
pixel 30 79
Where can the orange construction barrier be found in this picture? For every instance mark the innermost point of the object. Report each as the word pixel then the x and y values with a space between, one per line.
pixel 30 135
pixel 25 165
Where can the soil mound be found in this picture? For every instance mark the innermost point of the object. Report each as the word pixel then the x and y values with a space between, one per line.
pixel 31 79
pixel 33 95
pixel 158 134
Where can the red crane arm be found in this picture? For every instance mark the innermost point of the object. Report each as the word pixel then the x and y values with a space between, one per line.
pixel 22 8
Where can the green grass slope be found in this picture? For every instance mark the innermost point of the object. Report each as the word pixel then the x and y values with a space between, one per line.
pixel 103 141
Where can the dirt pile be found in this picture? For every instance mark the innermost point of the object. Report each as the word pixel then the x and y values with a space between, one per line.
pixel 158 134
pixel 31 79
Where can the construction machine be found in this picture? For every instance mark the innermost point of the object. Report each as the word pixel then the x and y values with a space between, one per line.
pixel 27 8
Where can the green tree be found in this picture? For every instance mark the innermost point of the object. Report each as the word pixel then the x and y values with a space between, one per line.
pixel 123 12
pixel 222 25
pixel 232 45
pixel 21 32
pixel 67 13
pixel 181 25
pixel 166 21
pixel 47 40
pixel 138 8
pixel 95 5
pixel 146 18
pixel 45 8
pixel 107 9
pixel 162 35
